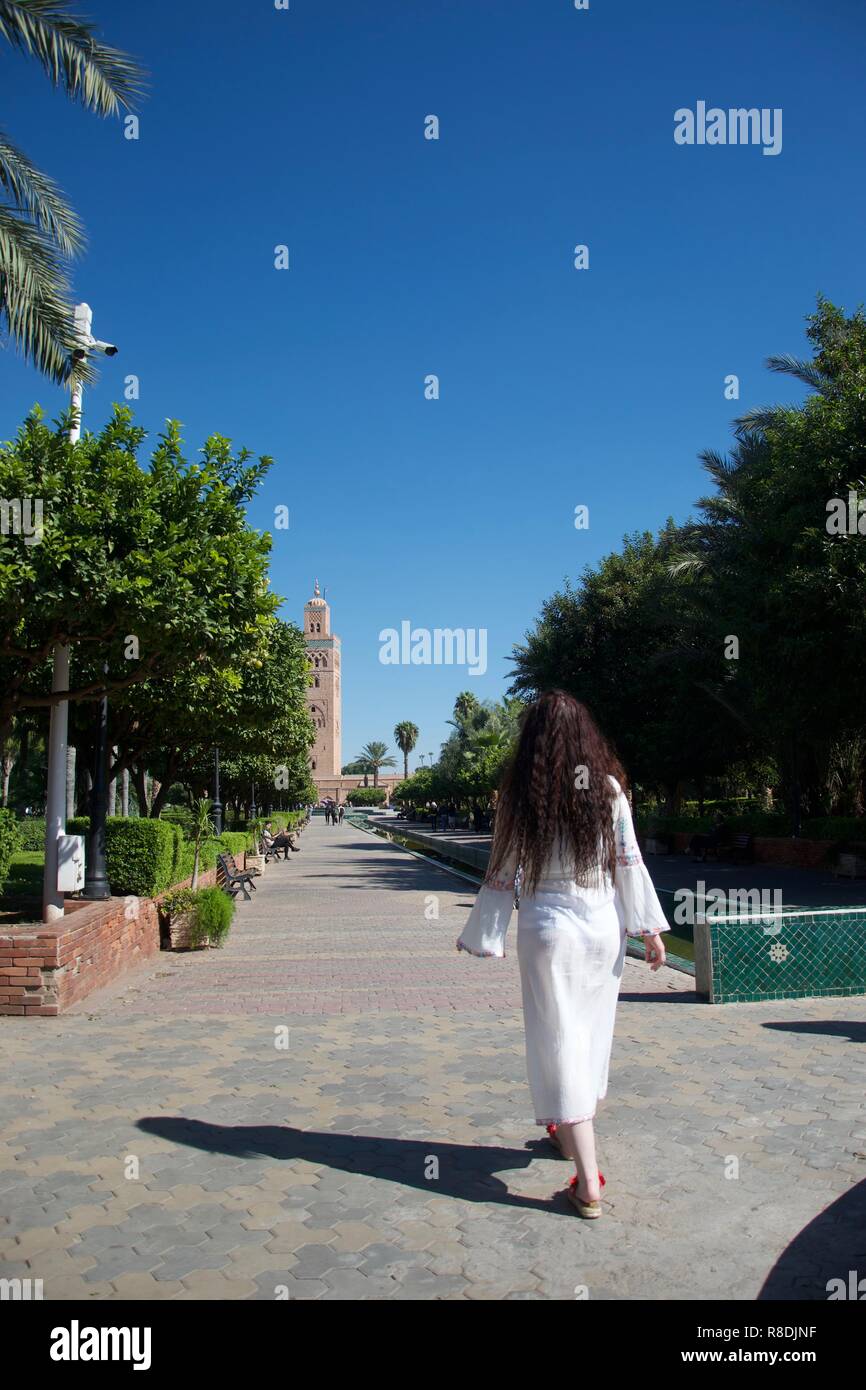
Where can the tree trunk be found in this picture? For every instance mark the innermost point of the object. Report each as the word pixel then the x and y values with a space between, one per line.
pixel 8 764
pixel 11 750
pixel 70 780
pixel 9 759
pixel 162 789
pixel 139 777
pixel 111 803
pixel 405 765
pixel 124 793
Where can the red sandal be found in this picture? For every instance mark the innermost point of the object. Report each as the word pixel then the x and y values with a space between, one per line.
pixel 590 1211
pixel 554 1140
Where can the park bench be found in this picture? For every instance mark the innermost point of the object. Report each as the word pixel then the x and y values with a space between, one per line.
pixel 268 850
pixel 742 846
pixel 235 880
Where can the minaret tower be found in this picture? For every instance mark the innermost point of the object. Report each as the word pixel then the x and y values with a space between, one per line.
pixel 323 696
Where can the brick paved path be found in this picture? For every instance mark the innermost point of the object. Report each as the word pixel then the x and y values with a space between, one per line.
pixel 160 1143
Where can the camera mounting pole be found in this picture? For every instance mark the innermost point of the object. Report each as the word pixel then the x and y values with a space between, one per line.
pixel 55 800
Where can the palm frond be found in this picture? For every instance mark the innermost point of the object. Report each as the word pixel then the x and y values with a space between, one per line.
pixel 720 467
pixel 687 565
pixel 32 192
pixel 807 372
pixel 757 420
pixel 35 298
pixel 103 79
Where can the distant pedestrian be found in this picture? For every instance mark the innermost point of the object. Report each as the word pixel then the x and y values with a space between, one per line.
pixel 342 812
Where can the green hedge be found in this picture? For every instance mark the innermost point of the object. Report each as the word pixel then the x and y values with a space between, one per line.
pixel 280 820
pixel 835 828
pixel 760 823
pixel 32 831
pixel 235 841
pixel 144 857
pixel 10 841
pixel 368 796
pixel 141 854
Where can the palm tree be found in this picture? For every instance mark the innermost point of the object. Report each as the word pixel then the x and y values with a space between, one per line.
pixel 376 756
pixel 466 706
pixel 406 735
pixel 39 230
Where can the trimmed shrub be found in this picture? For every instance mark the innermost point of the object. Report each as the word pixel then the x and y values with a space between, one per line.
pixel 10 841
pixel 140 853
pixel 207 855
pixel 847 828
pixel 760 823
pixel 235 841
pixel 368 796
pixel 212 916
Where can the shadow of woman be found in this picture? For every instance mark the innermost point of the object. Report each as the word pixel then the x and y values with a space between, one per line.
pixel 820 1262
pixel 466 1171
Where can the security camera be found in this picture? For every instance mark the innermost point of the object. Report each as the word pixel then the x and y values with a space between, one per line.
pixel 88 345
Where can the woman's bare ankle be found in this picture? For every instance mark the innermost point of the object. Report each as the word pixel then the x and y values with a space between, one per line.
pixel 587 1190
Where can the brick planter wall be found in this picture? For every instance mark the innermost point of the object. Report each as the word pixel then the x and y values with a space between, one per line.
pixel 44 969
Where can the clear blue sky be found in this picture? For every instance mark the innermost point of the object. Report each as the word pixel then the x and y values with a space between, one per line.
pixel 454 257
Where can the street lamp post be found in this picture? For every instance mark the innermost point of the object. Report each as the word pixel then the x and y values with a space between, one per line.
pixel 253 807
pixel 55 801
pixel 96 886
pixel 216 809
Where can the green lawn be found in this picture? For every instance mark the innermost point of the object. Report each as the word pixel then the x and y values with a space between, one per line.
pixel 24 879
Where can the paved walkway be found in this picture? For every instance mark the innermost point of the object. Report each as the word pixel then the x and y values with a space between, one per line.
pixel 163 1143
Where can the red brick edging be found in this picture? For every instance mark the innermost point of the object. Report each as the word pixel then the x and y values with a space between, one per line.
pixel 44 969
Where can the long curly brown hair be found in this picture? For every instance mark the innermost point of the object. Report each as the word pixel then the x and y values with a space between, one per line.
pixel 557 786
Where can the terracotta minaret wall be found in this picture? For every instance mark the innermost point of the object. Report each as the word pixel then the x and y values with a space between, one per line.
pixel 323 696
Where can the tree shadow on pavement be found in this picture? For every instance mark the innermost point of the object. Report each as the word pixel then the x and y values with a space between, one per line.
pixel 832 1247
pixel 661 996
pixel 466 1171
pixel 852 1029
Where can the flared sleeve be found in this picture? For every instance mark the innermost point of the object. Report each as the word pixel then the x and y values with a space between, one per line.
pixel 637 904
pixel 484 933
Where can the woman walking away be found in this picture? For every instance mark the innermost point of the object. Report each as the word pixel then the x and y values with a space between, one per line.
pixel 564 832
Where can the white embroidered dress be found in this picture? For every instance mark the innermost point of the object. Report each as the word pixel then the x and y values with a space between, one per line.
pixel 571 940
